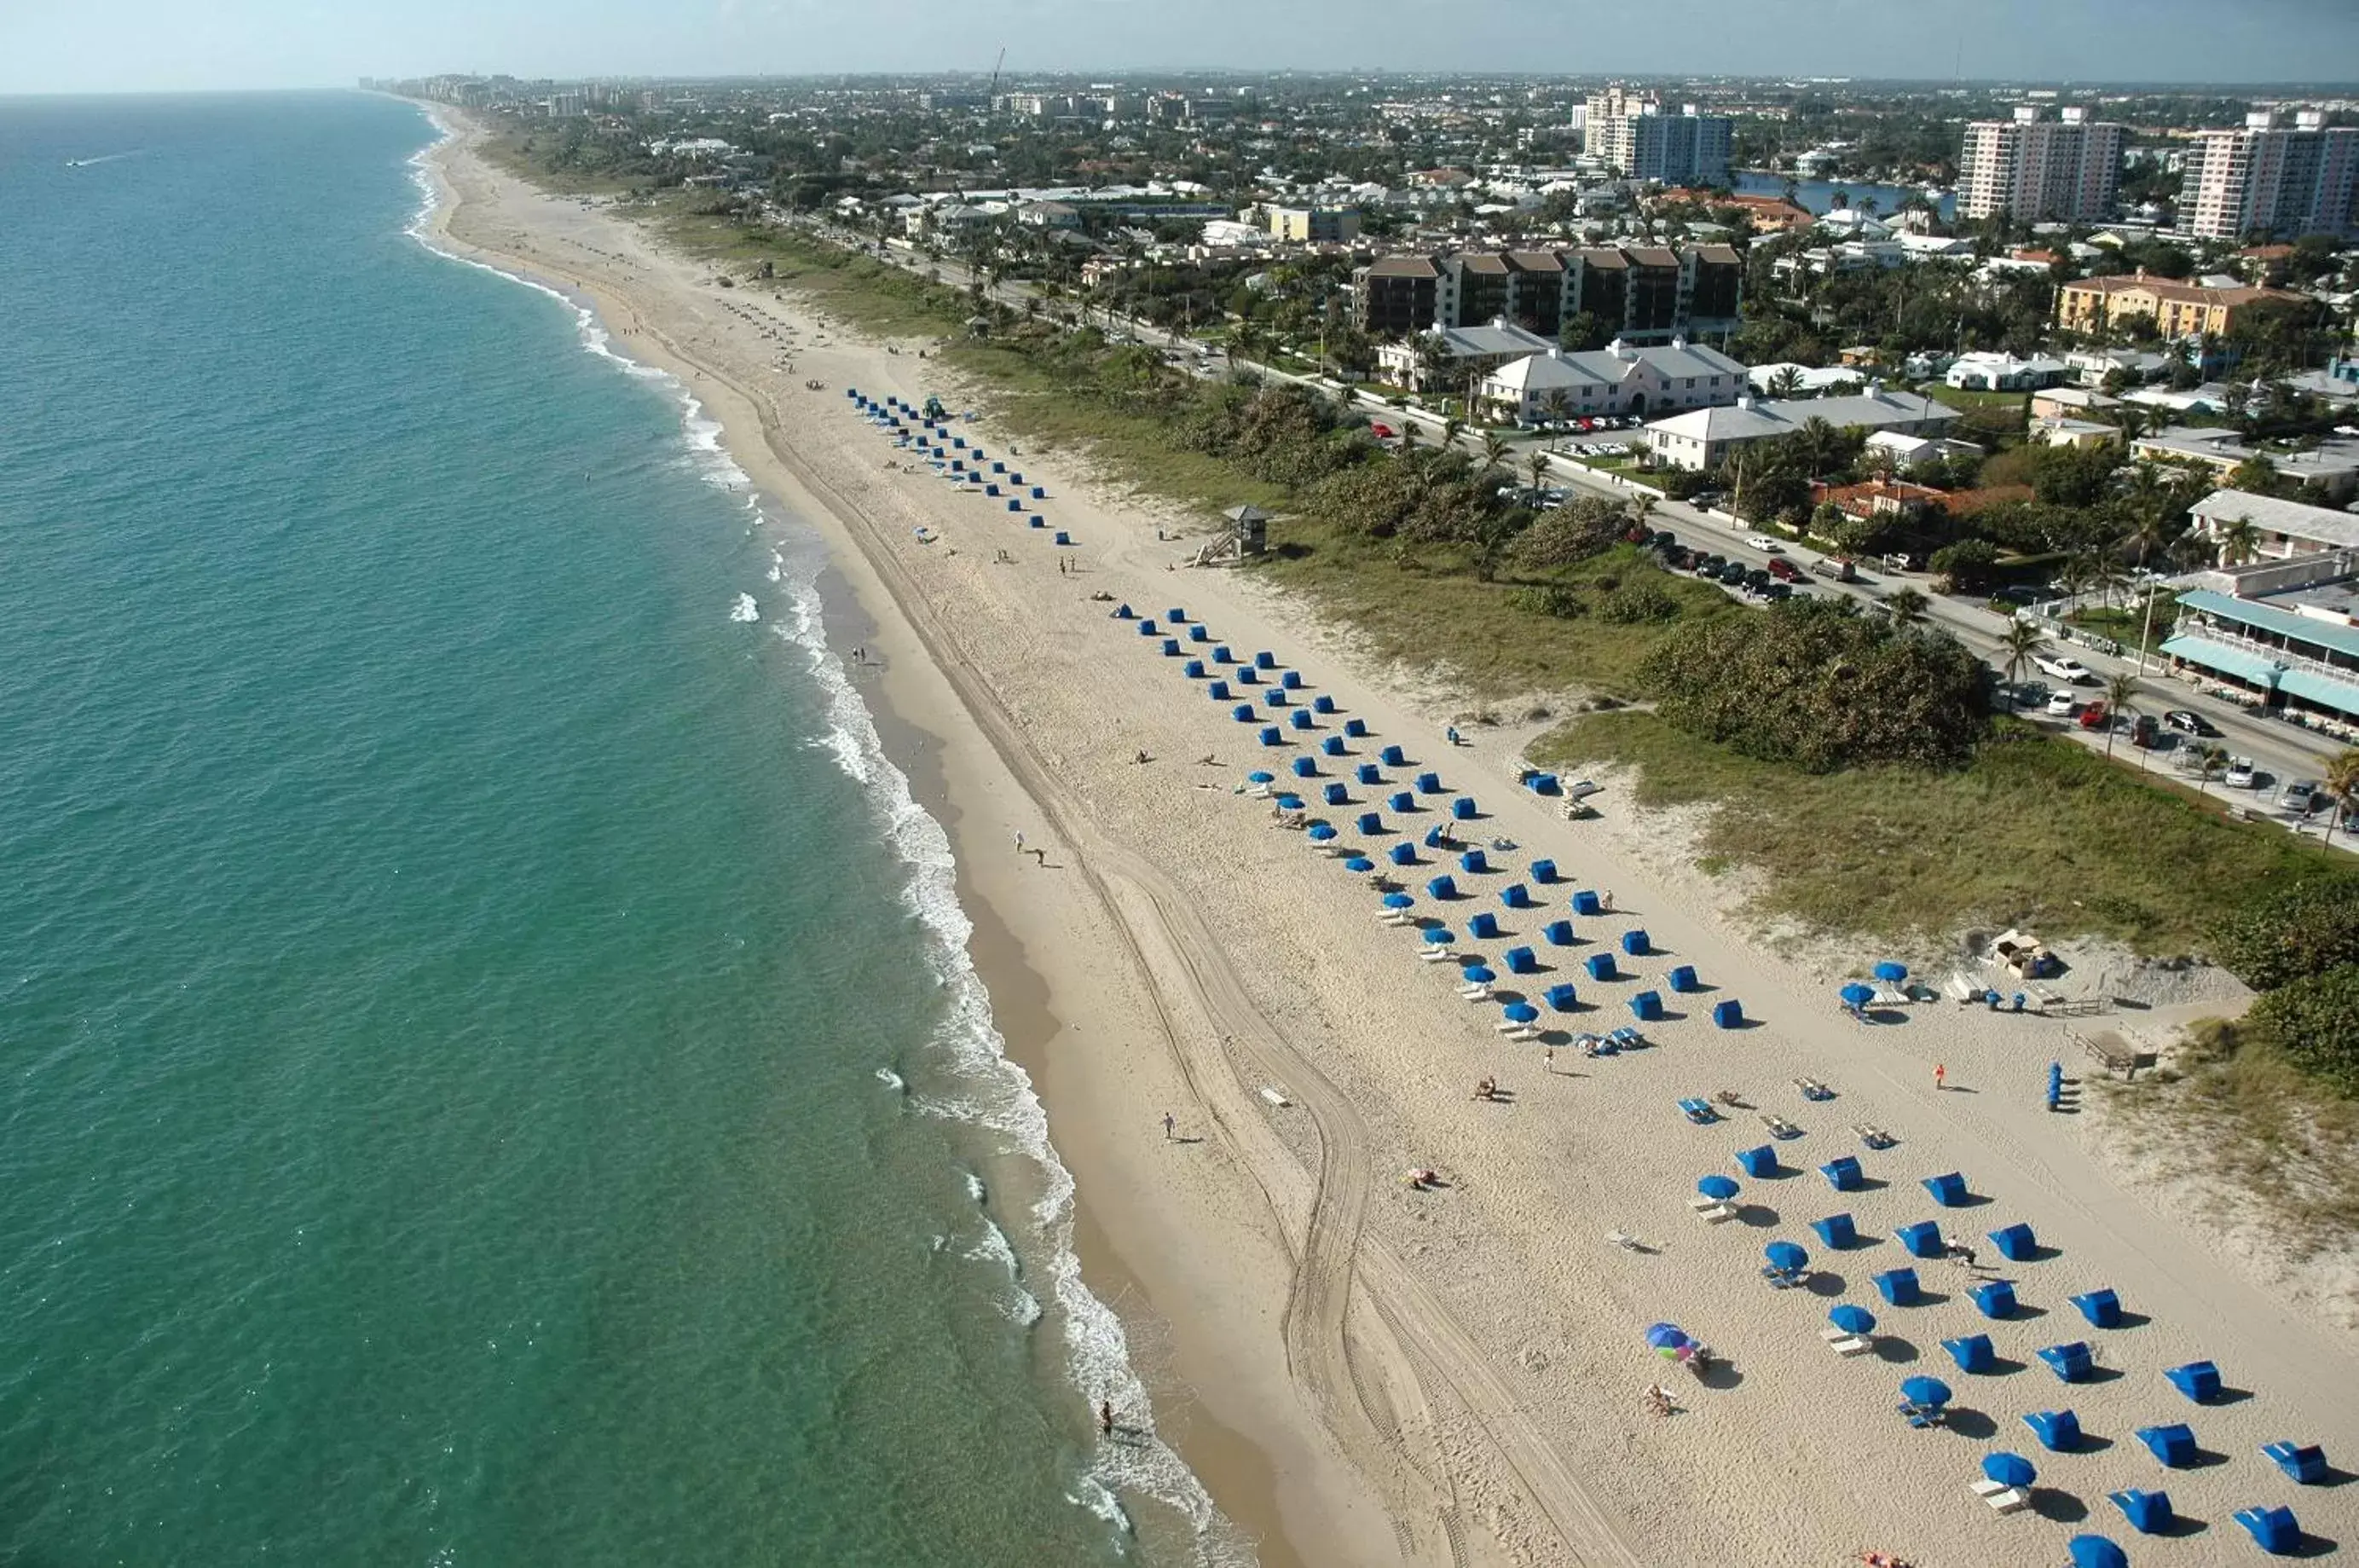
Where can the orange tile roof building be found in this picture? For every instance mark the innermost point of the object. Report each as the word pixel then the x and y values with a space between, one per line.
pixel 2177 309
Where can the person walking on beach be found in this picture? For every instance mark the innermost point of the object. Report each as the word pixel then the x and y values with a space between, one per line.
pixel 1020 841
pixel 1105 1416
pixel 1167 1126
pixel 1549 1059
pixel 1940 1076
pixel 1609 901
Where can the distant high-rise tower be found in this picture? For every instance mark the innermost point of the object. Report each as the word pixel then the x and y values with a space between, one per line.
pixel 2029 168
pixel 2271 179
pixel 1633 133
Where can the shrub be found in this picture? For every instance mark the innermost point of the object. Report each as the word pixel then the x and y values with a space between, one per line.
pixel 1815 684
pixel 1966 564
pixel 1637 602
pixel 2296 933
pixel 2315 1021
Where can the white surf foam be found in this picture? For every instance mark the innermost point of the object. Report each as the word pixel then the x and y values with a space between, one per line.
pixel 1002 1097
pixel 744 610
pixel 892 1080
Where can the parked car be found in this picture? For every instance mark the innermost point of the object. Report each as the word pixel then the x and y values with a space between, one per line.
pixel 2145 734
pixel 2185 723
pixel 1765 544
pixel 2063 667
pixel 1777 591
pixel 2241 774
pixel 1707 497
pixel 2301 797
pixel 2094 716
pixel 1838 567
pixel 2018 596
pixel 2060 705
pixel 1757 581
pixel 1784 569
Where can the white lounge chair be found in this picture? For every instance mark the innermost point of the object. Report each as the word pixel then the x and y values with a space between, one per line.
pixel 1523 1031
pixel 1844 1344
pixel 1392 918
pixel 1438 955
pixel 1711 1211
pixel 2001 1499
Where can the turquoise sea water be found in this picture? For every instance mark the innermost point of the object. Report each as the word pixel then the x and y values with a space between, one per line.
pixel 488 1070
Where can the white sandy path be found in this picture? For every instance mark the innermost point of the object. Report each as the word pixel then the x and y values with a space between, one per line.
pixel 1802 1460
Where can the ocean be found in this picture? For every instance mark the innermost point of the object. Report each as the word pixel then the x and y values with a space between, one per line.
pixel 491 1074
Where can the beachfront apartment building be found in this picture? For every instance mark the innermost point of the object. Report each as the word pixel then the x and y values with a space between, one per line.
pixel 2030 169
pixel 2273 179
pixel 2177 309
pixel 1648 294
pixel 1705 437
pixel 1623 380
pixel 1448 357
pixel 2330 469
pixel 1632 132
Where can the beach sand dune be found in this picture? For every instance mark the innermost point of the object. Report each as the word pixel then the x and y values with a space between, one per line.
pixel 1364 1370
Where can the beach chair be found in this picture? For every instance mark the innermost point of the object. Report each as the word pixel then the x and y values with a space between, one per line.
pixel 1843 1174
pixel 1627 1038
pixel 1923 1416
pixel 1874 1136
pixel 1922 1240
pixel 1813 1090
pixel 1711 1211
pixel 2003 1498
pixel 2173 1446
pixel 2305 1465
pixel 1899 1287
pixel 1996 1298
pixel 2198 1380
pixel 2102 1308
pixel 2071 1363
pixel 1972 1351
pixel 2016 1243
pixel 1759 1162
pixel 1844 1343
pixel 1625 1241
pixel 1437 953
pixel 1836 1231
pixel 1699 1111
pixel 2149 1513
pixel 2273 1531
pixel 1480 991
pixel 2059 1431
pixel 1779 1126
pixel 1948 1190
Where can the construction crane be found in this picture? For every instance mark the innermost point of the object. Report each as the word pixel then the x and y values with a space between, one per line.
pixel 995 65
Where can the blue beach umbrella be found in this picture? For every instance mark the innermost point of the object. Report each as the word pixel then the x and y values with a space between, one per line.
pixel 1851 1318
pixel 2096 1551
pixel 1891 972
pixel 1666 1337
pixel 1321 832
pixel 1787 1255
pixel 1398 900
pixel 1857 996
pixel 1520 1012
pixel 1925 1391
pixel 1289 803
pixel 1477 975
pixel 2009 1469
pixel 1261 776
pixel 1359 863
pixel 1720 1189
pixel 1435 936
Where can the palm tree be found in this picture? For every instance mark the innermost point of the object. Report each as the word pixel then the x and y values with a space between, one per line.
pixel 2105 575
pixel 1452 429
pixel 2131 420
pixel 2342 787
pixel 2208 761
pixel 1818 439
pixel 1906 606
pixel 2121 692
pixel 1558 402
pixel 1642 507
pixel 1495 451
pixel 1787 383
pixel 1537 465
pixel 2023 643
pixel 2239 541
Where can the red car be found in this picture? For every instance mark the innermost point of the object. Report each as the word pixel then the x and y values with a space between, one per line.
pixel 2094 717
pixel 1784 569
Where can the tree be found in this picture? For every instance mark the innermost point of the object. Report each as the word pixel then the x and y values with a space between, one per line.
pixel 2022 643
pixel 1965 565
pixel 1907 607
pixel 1556 402
pixel 1452 429
pixel 2239 541
pixel 2121 692
pixel 1581 333
pixel 1787 383
pixel 2342 788
pixel 1537 465
pixel 1495 452
pixel 1642 509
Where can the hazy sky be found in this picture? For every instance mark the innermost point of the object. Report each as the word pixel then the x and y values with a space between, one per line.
pixel 47 46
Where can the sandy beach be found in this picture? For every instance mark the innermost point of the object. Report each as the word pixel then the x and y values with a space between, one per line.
pixel 1361 1371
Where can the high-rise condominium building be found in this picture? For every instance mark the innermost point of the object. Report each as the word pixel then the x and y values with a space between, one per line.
pixel 1632 133
pixel 2291 180
pixel 2029 168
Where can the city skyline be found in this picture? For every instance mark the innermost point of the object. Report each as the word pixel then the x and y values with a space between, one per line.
pixel 150 45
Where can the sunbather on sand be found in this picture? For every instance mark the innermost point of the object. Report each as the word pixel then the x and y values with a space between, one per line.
pixel 1658 1399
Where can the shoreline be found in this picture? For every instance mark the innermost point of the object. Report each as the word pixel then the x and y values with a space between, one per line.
pixel 946 763
pixel 1442 1376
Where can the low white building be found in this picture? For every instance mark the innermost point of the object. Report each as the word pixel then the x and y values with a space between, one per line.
pixel 1908 451
pixel 1810 381
pixel 2282 529
pixel 1464 352
pixel 1703 438
pixel 1983 372
pixel 1619 380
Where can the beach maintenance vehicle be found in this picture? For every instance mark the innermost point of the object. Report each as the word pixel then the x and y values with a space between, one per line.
pixel 934 410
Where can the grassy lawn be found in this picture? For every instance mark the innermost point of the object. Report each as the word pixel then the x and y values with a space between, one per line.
pixel 2034 832
pixel 1961 398
pixel 2126 626
pixel 1429 610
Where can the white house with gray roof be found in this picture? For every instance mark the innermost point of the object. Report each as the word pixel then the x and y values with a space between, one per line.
pixel 1616 380
pixel 1704 438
